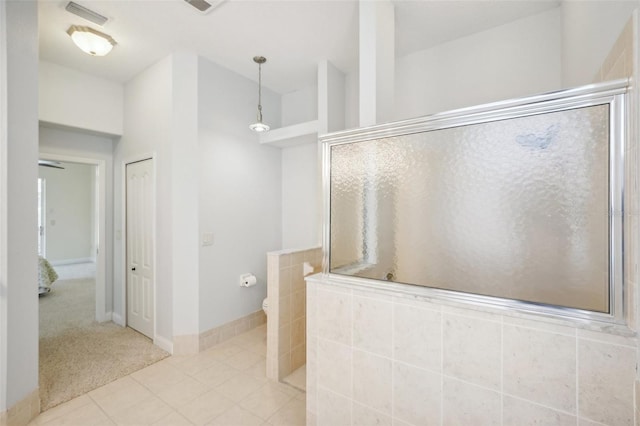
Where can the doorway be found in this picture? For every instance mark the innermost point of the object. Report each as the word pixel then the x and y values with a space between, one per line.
pixel 140 282
pixel 98 220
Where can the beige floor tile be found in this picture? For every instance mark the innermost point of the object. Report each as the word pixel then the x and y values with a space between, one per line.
pixel 244 360
pixel 120 395
pixel 265 401
pixel 236 416
pixel 259 369
pixel 183 392
pixel 206 407
pixel 292 414
pixel 173 419
pixel 146 412
pixel 178 391
pixel 62 409
pixel 194 364
pixel 222 351
pixel 159 376
pixel 216 374
pixel 283 387
pixel 239 386
pixel 252 341
pixel 259 348
pixel 298 379
pixel 88 414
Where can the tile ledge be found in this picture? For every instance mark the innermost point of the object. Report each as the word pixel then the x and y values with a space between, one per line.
pixel 438 297
pixel 291 250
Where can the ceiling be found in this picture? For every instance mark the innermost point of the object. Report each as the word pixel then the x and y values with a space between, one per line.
pixel 292 35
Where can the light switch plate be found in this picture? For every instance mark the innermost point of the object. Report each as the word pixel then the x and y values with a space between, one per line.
pixel 207 239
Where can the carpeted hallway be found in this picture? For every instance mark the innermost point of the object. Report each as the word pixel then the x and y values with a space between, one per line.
pixel 78 354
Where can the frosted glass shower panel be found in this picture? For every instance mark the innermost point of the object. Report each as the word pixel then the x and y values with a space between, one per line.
pixel 516 208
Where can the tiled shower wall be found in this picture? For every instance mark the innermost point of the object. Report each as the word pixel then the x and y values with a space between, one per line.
pixel 444 363
pixel 286 318
pixel 378 357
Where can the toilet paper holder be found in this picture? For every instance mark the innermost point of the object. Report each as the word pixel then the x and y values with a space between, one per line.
pixel 248 280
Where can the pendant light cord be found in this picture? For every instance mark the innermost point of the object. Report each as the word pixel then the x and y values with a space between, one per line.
pixel 259 92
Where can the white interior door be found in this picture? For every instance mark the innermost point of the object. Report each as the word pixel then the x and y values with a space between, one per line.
pixel 139 237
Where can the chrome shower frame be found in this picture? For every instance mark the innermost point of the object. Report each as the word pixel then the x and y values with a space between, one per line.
pixel 613 93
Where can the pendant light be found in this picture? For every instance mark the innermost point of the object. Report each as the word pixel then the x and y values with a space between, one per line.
pixel 259 126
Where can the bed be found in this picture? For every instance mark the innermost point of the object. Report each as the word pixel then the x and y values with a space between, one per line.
pixel 46 276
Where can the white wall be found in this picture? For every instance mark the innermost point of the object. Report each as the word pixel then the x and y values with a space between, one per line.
pixel 299 106
pixel 517 59
pixel 184 189
pixel 301 208
pixel 240 200
pixel 72 98
pixel 18 201
pixel 147 131
pixel 68 206
pixel 78 144
pixel 590 28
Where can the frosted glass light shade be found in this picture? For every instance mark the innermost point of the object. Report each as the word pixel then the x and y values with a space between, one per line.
pixel 91 41
pixel 259 127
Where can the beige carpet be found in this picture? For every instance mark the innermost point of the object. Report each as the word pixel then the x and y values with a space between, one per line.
pixel 78 354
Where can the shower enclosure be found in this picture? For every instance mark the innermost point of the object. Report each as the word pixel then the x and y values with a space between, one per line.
pixel 516 204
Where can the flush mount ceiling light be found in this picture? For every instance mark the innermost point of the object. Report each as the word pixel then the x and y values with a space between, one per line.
pixel 91 41
pixel 259 126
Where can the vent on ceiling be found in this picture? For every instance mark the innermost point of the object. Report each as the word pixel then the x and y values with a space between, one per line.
pixel 205 6
pixel 85 13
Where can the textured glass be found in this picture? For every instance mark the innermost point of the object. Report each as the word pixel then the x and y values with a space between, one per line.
pixel 516 209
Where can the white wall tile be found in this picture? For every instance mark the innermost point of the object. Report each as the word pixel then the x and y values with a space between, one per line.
pixel 468 404
pixel 372 381
pixel 544 324
pixel 417 337
pixel 517 412
pixel 333 409
pixel 365 416
pixel 605 391
pixel 312 316
pixel 334 315
pixel 372 325
pixel 416 394
pixel 312 374
pixel 334 367
pixel 540 367
pixel 472 350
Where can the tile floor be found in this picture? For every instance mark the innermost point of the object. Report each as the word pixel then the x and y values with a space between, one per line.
pixel 225 385
pixel 298 379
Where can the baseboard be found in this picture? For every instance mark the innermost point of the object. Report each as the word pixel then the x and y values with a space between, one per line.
pixel 108 316
pixel 163 343
pixel 186 344
pixel 194 343
pixel 115 317
pixel 23 412
pixel 216 335
pixel 72 261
